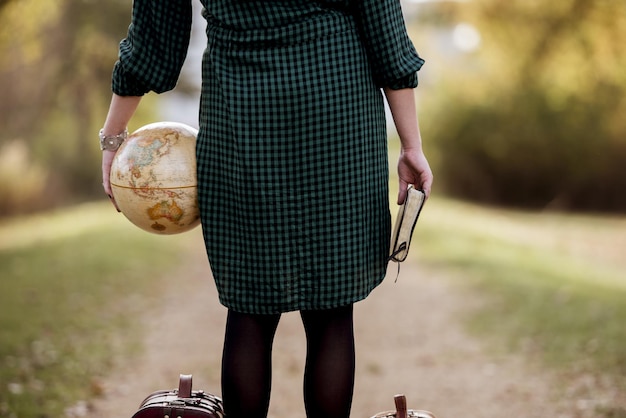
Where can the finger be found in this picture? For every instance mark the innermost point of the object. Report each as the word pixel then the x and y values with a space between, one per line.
pixel 427 185
pixel 402 191
pixel 109 194
pixel 115 204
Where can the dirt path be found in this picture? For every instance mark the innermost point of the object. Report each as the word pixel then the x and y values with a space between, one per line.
pixel 409 340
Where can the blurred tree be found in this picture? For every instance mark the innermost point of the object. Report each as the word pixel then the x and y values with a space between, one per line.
pixel 4 3
pixel 56 59
pixel 535 117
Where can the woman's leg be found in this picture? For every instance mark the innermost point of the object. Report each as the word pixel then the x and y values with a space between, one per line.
pixel 330 364
pixel 247 364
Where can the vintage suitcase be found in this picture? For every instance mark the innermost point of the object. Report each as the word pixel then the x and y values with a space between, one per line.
pixel 181 403
pixel 402 411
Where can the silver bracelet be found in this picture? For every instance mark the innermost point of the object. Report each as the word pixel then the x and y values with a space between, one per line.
pixel 112 142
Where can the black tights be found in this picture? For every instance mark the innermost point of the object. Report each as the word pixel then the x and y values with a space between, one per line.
pixel 329 370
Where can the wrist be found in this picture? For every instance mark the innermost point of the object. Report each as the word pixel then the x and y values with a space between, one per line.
pixel 413 148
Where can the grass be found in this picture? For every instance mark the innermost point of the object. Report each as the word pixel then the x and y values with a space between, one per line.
pixel 554 285
pixel 71 284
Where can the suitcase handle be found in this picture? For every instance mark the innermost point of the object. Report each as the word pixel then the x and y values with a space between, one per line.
pixel 401 408
pixel 184 386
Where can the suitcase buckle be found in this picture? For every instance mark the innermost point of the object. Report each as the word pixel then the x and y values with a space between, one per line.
pixel 185 402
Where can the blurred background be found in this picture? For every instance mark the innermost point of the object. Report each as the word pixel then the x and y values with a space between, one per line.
pixel 523 112
pixel 522 102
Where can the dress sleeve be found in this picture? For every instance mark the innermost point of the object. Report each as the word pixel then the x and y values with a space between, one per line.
pixel 392 56
pixel 152 54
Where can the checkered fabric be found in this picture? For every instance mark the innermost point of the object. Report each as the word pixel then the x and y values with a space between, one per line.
pixel 292 149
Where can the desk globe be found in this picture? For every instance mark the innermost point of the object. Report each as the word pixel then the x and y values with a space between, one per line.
pixel 153 178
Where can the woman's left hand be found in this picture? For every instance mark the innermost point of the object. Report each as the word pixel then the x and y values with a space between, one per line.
pixel 107 161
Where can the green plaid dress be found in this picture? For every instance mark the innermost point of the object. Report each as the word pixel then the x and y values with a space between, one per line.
pixel 292 148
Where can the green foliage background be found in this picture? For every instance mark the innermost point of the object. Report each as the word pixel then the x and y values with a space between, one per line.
pixel 532 118
pixel 56 59
pixel 535 116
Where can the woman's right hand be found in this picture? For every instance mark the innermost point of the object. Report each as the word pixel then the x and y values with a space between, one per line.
pixel 413 168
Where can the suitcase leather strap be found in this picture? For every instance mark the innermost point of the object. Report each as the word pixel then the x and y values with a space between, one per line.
pixel 401 408
pixel 184 386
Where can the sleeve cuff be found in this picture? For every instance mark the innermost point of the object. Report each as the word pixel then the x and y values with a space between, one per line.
pixel 407 82
pixel 124 84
